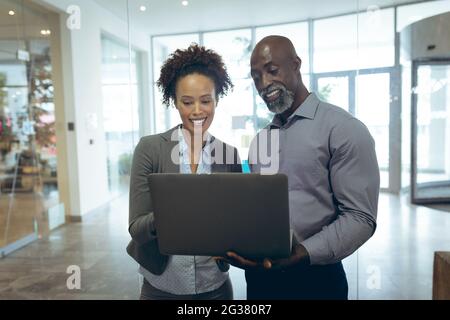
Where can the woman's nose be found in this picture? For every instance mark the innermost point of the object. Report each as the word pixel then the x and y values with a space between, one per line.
pixel 196 108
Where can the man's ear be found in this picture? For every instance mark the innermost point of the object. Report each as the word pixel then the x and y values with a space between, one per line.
pixel 297 63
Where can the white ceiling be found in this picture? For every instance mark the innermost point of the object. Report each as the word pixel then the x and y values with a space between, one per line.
pixel 170 16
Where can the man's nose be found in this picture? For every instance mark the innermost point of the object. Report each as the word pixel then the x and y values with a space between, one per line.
pixel 266 81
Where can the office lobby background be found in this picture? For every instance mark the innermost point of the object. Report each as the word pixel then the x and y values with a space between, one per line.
pixel 77 91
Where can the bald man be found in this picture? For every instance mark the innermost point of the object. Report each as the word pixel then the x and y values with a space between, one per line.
pixel 329 158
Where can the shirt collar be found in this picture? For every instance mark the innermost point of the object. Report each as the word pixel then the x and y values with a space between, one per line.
pixel 184 146
pixel 306 110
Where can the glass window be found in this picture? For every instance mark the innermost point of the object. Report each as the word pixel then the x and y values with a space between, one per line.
pixel 120 110
pixel 235 111
pixel 334 90
pixel 234 117
pixel 354 41
pixel 165 45
pixel 235 47
pixel 372 108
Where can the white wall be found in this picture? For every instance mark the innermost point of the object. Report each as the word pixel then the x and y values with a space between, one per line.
pixel 417 37
pixel 81 70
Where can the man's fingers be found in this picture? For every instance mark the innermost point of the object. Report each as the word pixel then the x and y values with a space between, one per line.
pixel 241 261
pixel 280 264
pixel 285 263
pixel 219 258
pixel 267 264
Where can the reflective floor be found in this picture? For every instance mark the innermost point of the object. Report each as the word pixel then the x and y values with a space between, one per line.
pixel 396 263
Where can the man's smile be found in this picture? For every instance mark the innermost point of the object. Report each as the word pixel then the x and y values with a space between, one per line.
pixel 272 95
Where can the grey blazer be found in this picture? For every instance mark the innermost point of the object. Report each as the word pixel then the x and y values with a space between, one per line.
pixel 153 155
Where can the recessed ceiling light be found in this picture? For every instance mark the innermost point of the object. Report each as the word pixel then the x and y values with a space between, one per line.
pixel 185 3
pixel 11 12
pixel 45 32
pixel 143 8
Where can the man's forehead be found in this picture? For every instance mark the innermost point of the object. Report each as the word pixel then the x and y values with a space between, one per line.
pixel 263 54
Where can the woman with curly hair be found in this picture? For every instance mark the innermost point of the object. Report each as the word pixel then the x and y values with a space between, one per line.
pixel 193 80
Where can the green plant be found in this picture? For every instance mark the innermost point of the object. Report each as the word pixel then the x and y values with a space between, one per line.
pixel 125 163
pixel 41 98
pixel 324 92
pixel 2 92
pixel 6 134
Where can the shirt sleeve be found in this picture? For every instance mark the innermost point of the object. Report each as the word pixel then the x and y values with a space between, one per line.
pixel 141 218
pixel 355 182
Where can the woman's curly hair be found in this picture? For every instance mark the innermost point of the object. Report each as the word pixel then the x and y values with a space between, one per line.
pixel 194 59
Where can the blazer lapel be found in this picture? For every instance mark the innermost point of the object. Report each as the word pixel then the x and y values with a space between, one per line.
pixel 221 166
pixel 170 147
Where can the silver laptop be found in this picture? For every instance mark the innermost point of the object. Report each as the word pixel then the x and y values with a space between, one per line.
pixel 208 215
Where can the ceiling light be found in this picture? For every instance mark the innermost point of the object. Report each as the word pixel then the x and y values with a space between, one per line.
pixel 143 8
pixel 185 3
pixel 45 32
pixel 11 12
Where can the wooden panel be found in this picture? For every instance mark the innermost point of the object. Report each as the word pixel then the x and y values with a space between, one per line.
pixel 441 276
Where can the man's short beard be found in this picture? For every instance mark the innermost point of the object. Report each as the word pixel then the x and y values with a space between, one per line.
pixel 284 101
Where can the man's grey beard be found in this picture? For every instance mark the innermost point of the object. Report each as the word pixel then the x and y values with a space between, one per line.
pixel 284 101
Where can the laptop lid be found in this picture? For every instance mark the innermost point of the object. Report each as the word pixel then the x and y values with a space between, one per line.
pixel 209 215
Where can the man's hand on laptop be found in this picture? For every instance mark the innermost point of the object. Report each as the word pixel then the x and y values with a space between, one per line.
pixel 239 262
pixel 298 255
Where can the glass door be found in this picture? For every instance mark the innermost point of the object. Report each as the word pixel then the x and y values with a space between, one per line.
pixel 430 139
pixel 30 204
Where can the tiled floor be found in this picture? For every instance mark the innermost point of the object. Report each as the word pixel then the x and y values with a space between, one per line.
pixel 396 263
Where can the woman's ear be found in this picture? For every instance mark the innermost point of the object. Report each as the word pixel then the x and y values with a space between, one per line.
pixel 174 102
pixel 217 102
